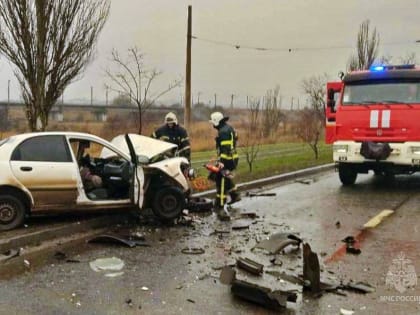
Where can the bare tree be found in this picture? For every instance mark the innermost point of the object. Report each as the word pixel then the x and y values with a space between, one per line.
pixel 315 87
pixel 409 58
pixel 4 123
pixel 252 136
pixel 309 128
pixel 311 120
pixel 367 48
pixel 272 111
pixel 49 42
pixel 132 78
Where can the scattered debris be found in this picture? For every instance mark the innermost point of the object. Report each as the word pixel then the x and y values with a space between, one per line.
pixel 27 263
pixel 360 287
pixel 349 240
pixel 227 275
pixel 60 255
pixel 350 248
pixel 144 288
pixel 290 278
pixel 9 254
pixel 276 242
pixel 114 239
pixel 276 261
pixel 249 214
pixel 114 274
pixel 345 312
pixel 241 224
pixel 263 296
pixel 250 266
pixel 311 272
pixel 199 204
pixel 249 194
pixel 113 264
pixel 190 300
pixel 129 302
pixel 192 251
pixel 220 231
pixel 337 224
pixel 306 181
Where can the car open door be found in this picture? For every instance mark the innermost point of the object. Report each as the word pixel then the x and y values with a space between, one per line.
pixel 333 99
pixel 136 189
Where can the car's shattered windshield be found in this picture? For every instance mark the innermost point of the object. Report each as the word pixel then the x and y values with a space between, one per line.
pixel 382 93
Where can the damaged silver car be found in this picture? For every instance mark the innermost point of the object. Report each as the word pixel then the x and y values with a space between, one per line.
pixel 68 171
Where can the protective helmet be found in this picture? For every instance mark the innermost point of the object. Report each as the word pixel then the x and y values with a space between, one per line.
pixel 171 118
pixel 216 118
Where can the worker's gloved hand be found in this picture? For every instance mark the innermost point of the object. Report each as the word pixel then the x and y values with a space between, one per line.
pixel 226 173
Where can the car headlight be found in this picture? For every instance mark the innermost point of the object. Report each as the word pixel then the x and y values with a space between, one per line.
pixel 415 150
pixel 340 148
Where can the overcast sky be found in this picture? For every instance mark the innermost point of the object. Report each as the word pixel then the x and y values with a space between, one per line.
pixel 158 28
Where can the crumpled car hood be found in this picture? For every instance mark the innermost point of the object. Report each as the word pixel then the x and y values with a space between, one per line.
pixel 143 145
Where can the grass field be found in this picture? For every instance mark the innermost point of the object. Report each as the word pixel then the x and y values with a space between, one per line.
pixel 272 160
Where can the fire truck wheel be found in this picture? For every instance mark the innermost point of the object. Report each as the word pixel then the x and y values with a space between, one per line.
pixel 168 203
pixel 347 174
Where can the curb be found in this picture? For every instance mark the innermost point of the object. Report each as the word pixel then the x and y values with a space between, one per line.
pixel 274 179
pixel 50 233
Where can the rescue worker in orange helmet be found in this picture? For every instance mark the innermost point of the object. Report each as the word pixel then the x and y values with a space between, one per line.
pixel 172 132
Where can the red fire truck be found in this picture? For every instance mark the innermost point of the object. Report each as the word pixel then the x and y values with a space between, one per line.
pixel 373 121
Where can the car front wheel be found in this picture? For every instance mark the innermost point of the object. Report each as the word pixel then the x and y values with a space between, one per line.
pixel 168 203
pixel 12 212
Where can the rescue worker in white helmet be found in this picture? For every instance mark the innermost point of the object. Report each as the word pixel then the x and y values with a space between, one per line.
pixel 172 132
pixel 228 157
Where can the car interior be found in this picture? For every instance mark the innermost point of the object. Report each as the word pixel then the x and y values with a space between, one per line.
pixel 103 179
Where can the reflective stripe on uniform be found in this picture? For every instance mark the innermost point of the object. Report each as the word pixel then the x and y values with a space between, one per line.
pixel 228 156
pixel 222 192
pixel 183 149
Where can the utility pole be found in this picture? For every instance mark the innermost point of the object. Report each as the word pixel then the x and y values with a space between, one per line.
pixel 106 95
pixel 231 101
pixel 291 106
pixel 8 103
pixel 91 95
pixel 215 100
pixel 187 111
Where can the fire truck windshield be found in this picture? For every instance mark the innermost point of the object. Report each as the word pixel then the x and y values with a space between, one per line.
pixel 382 93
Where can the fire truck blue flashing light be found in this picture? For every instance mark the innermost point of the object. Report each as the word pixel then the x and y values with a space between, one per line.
pixel 377 68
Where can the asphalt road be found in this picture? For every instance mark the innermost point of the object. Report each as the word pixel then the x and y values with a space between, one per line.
pixel 160 279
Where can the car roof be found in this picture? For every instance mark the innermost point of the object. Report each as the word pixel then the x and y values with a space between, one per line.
pixel 27 135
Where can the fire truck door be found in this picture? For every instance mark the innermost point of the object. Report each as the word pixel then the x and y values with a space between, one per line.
pixel 333 97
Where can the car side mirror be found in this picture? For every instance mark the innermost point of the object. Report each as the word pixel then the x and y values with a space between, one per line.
pixel 142 159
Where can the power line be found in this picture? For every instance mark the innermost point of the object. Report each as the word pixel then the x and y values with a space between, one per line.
pixel 290 49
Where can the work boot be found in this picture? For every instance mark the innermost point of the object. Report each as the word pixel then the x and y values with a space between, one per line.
pixel 221 212
pixel 234 197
